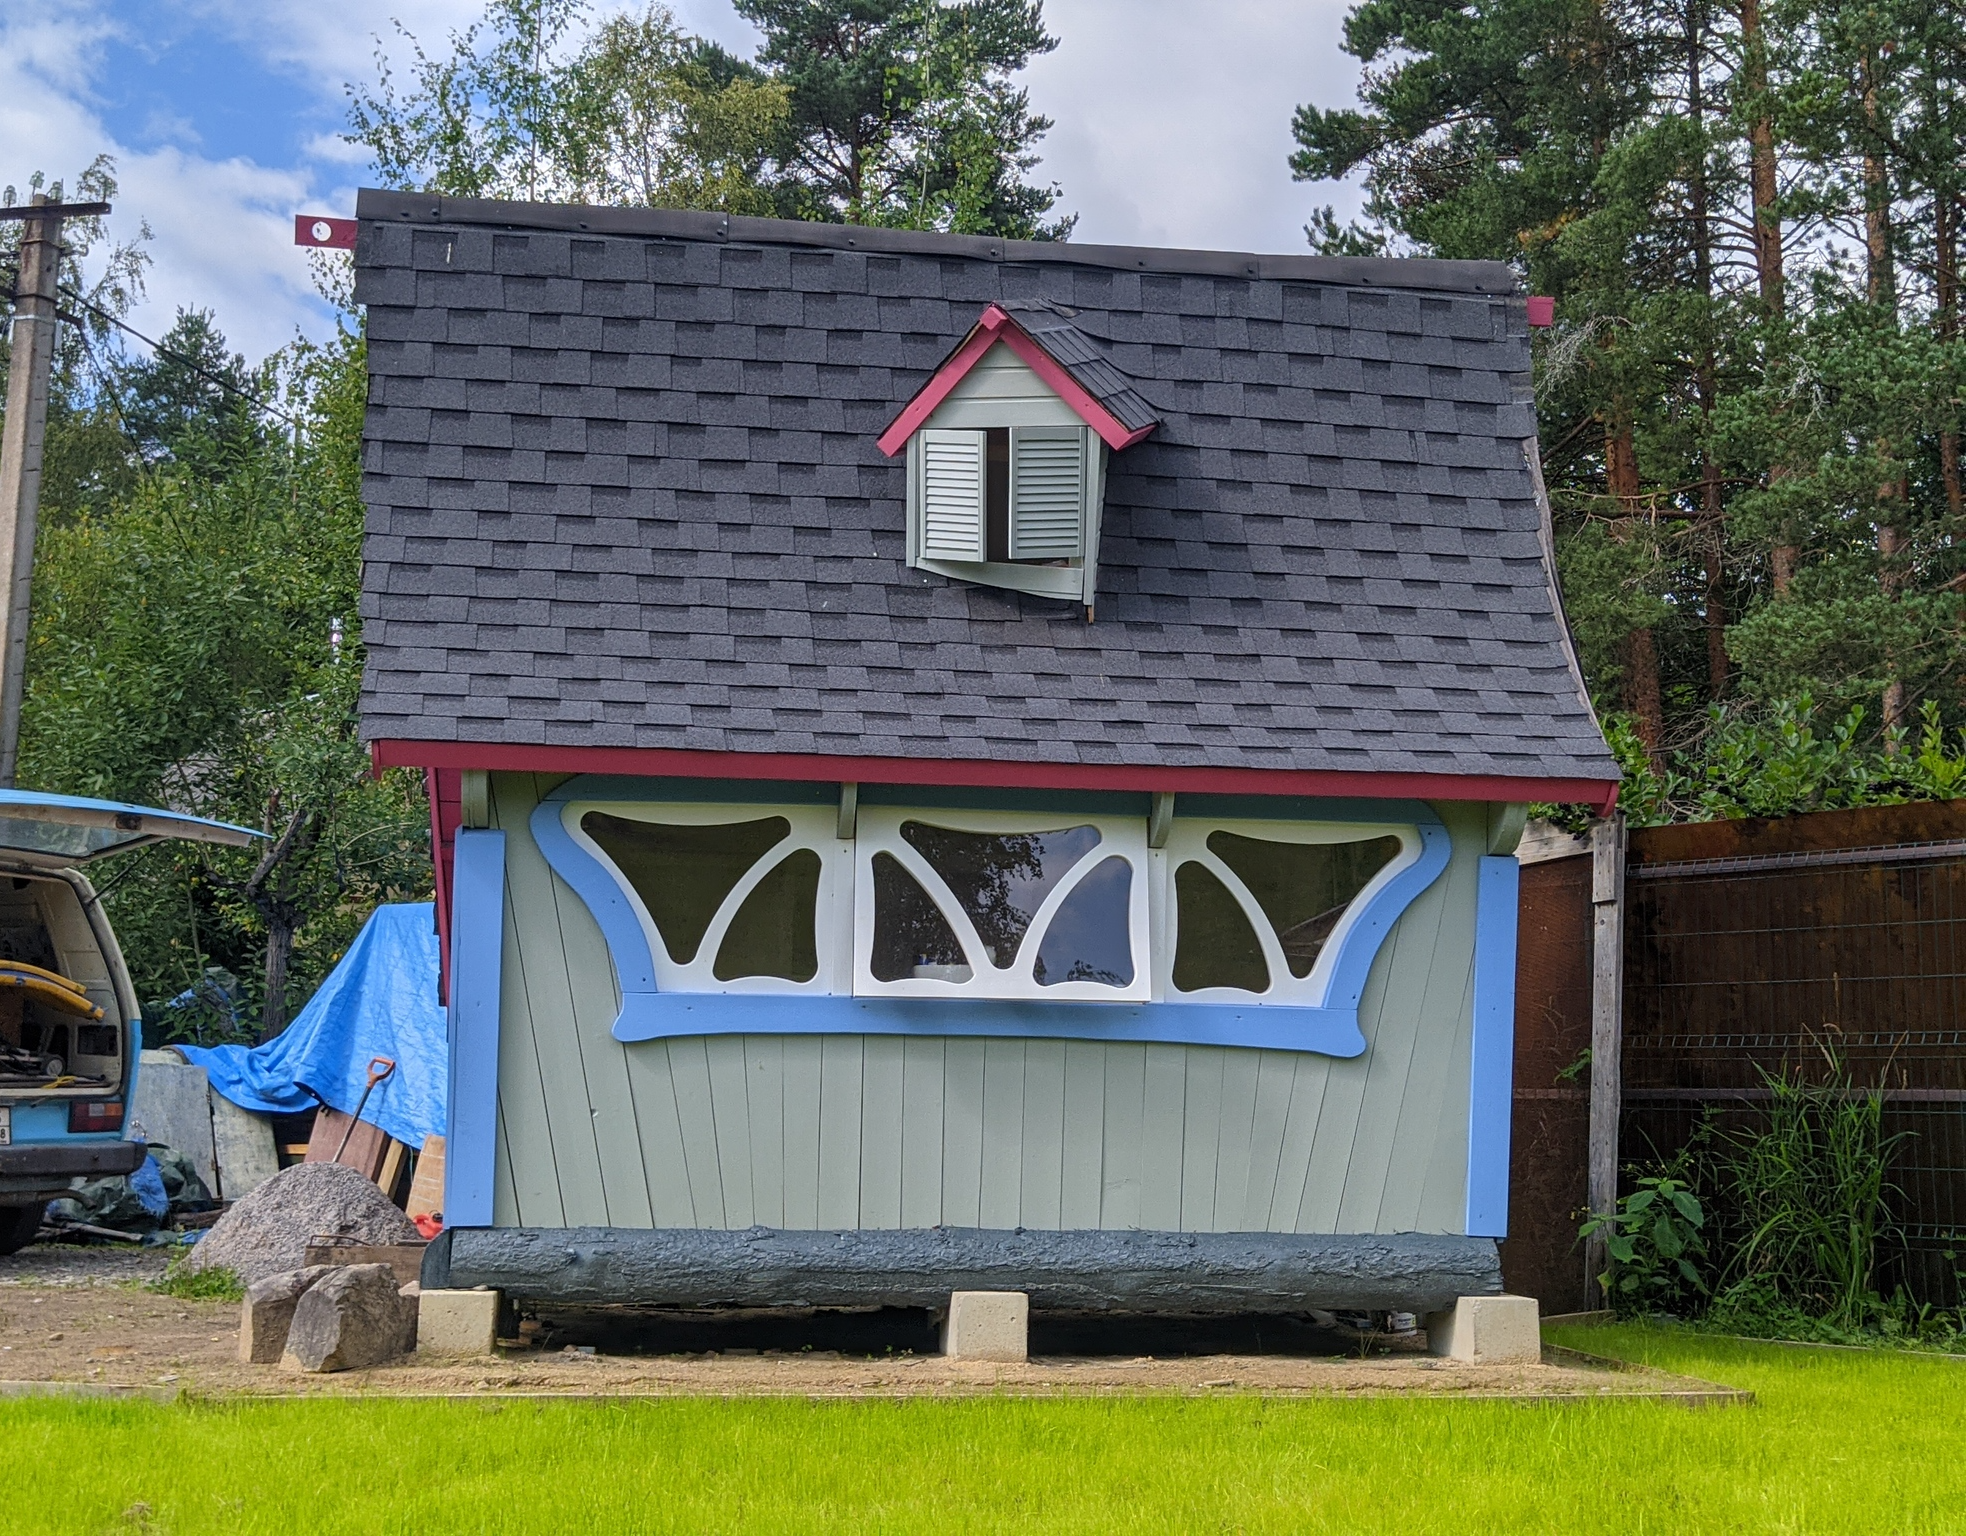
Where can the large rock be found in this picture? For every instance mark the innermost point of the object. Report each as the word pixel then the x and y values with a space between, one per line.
pixel 354 1316
pixel 268 1312
pixel 268 1231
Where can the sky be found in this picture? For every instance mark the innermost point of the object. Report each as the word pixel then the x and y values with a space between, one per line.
pixel 1172 125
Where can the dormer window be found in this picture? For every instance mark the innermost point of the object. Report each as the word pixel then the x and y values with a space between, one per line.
pixel 1007 448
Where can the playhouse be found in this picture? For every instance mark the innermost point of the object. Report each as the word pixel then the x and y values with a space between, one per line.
pixel 958 762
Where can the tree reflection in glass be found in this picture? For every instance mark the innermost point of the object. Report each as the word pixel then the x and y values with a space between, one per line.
pixel 1000 879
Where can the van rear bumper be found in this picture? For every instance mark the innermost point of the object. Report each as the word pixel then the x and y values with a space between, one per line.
pixel 41 1170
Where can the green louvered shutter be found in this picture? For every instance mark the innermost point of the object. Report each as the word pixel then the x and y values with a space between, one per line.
pixel 952 495
pixel 1047 493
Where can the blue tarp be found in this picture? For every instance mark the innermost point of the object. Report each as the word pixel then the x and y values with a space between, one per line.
pixel 381 1000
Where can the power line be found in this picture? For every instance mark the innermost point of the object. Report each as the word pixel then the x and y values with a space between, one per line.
pixel 178 357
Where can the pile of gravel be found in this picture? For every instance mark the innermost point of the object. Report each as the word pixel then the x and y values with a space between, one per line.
pixel 268 1231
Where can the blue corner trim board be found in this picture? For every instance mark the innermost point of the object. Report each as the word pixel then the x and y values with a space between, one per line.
pixel 1491 1083
pixel 649 1014
pixel 477 956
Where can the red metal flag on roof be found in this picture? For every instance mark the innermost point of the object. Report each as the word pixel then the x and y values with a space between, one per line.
pixel 331 234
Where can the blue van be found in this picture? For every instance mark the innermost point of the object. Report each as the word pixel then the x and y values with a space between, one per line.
pixel 69 1032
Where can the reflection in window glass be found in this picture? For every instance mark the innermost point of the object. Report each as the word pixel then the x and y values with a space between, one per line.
pixel 1215 946
pixel 912 939
pixel 1089 937
pixel 683 873
pixel 1000 878
pixel 771 934
pixel 1303 888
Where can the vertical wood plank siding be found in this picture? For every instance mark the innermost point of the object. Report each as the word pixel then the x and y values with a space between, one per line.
pixel 883 1131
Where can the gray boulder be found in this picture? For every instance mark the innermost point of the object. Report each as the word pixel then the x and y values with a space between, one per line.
pixel 353 1317
pixel 267 1232
pixel 268 1312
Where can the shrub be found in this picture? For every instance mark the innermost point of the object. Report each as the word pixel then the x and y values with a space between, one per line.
pixel 1653 1241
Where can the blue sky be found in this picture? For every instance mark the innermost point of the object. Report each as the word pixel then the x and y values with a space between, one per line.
pixel 1172 124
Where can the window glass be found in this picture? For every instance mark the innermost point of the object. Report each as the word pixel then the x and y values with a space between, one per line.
pixel 1089 938
pixel 912 939
pixel 1000 878
pixel 1215 947
pixel 771 934
pixel 683 874
pixel 1303 888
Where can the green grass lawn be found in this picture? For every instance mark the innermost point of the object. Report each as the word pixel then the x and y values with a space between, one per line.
pixel 1839 1441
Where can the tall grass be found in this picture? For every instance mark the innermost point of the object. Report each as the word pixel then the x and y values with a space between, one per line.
pixel 1809 1194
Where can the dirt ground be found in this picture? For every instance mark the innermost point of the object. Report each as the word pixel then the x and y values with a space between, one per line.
pixel 83 1317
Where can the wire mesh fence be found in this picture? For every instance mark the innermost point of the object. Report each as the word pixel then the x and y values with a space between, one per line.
pixel 1779 948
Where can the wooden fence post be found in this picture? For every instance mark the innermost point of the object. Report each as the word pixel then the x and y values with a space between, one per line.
pixel 1607 1023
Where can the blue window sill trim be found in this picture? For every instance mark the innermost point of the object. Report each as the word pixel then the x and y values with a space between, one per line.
pixel 1331 1029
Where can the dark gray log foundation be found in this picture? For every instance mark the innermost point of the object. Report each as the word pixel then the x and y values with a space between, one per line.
pixel 1170 1273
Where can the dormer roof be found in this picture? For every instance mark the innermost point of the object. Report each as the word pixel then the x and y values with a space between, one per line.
pixel 1058 352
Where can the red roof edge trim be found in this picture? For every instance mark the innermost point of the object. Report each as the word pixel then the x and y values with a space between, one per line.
pixel 677 762
pixel 996 325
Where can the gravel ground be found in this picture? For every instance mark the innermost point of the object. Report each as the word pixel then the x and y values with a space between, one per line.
pixel 135 1338
pixel 70 1264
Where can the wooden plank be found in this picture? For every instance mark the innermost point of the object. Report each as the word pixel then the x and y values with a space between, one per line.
pixel 1003 1132
pixel 544 976
pixel 1125 1097
pixel 366 1143
pixel 923 1086
pixel 1041 1179
pixel 1201 1137
pixel 427 1183
pixel 962 1133
pixel 802 1072
pixel 1397 1047
pixel 1308 1081
pixel 1607 1021
pixel 689 1069
pixel 1430 1119
pixel 1163 1107
pixel 730 1113
pixel 764 1086
pixel 505 1194
pixel 1233 1147
pixel 664 1163
pixel 1275 1072
pixel 525 1138
pixel 882 1079
pixel 1084 1150
pixel 613 1112
pixel 840 1079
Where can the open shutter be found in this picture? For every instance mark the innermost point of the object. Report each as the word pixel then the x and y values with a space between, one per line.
pixel 1047 493
pixel 952 495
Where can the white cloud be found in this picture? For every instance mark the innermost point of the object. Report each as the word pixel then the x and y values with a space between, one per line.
pixel 1173 119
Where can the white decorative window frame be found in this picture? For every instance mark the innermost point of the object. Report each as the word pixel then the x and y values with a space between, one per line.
pixel 813 827
pixel 1187 841
pixel 1119 836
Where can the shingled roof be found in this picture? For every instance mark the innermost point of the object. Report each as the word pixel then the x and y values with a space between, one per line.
pixel 624 492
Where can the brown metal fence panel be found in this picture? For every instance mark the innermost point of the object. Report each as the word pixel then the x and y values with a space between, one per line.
pixel 1760 946
pixel 1550 1132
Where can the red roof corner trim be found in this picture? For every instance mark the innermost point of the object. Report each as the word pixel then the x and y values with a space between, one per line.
pixel 997 325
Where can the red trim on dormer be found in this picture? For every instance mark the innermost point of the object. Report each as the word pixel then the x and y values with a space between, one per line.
pixel 995 326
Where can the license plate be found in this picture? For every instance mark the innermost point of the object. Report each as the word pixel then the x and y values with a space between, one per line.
pixel 6 1125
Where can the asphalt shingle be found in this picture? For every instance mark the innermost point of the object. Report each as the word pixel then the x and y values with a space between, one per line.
pixel 623 489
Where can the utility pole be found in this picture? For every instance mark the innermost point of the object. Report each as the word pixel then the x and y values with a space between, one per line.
pixel 33 343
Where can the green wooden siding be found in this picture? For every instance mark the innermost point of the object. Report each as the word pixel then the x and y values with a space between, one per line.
pixel 889 1131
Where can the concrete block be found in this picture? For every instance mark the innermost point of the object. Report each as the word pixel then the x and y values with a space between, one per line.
pixel 268 1312
pixel 987 1325
pixel 172 1107
pixel 242 1144
pixel 457 1322
pixel 351 1318
pixel 1488 1330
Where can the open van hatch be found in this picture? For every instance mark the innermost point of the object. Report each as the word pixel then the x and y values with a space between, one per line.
pixel 66 1006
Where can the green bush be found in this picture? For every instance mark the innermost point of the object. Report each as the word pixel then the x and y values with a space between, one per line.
pixel 1654 1242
